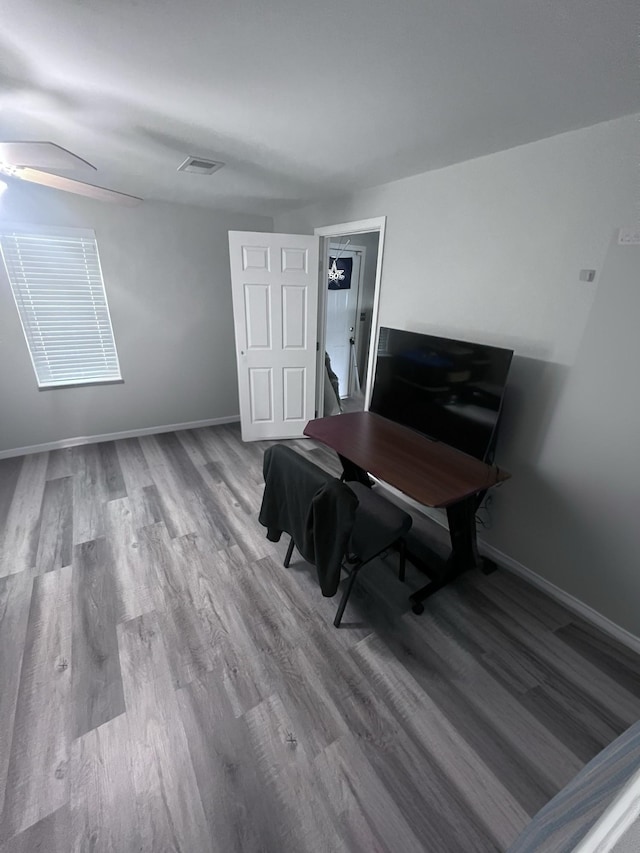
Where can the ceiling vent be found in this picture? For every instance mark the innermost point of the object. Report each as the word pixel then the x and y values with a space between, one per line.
pixel 199 166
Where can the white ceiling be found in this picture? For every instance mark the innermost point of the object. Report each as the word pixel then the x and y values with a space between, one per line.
pixel 302 99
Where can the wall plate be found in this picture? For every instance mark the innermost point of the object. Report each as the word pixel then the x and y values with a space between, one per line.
pixel 629 236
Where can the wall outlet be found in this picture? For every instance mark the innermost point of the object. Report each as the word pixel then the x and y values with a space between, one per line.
pixel 629 236
pixel 587 275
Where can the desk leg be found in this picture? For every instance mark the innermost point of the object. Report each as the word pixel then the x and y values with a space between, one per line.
pixel 352 473
pixel 464 550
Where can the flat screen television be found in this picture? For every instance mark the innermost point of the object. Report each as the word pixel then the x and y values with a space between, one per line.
pixel 449 390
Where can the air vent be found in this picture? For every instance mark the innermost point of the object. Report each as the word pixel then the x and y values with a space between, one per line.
pixel 200 166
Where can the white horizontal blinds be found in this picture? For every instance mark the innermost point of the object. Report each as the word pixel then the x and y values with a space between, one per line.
pixel 59 292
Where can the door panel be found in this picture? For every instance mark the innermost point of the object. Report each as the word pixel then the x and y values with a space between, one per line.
pixel 294 317
pixel 274 280
pixel 256 258
pixel 257 301
pixel 295 260
pixel 261 394
pixel 294 392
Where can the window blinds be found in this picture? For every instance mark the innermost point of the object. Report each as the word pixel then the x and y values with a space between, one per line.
pixel 58 288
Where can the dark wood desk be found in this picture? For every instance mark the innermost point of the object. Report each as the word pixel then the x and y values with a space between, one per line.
pixel 430 472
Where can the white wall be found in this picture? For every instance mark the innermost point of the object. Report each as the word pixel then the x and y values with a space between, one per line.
pixel 166 271
pixel 491 250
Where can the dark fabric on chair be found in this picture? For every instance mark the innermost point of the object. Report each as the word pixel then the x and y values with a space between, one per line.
pixel 314 508
pixel 378 523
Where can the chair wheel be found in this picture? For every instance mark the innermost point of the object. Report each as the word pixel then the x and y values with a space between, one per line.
pixel 418 608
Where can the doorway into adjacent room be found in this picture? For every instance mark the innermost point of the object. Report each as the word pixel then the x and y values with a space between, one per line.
pixel 350 257
pixel 287 319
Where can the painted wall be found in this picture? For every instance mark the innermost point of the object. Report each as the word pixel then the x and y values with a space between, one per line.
pixel 166 271
pixel 491 250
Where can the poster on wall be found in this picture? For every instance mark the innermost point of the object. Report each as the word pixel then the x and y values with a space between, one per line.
pixel 340 270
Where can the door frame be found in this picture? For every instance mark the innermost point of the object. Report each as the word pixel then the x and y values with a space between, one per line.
pixel 325 233
pixel 362 261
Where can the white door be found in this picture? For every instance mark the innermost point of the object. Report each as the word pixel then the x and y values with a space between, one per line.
pixel 274 282
pixel 341 324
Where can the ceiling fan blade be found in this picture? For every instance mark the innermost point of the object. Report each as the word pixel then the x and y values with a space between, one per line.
pixel 69 185
pixel 41 155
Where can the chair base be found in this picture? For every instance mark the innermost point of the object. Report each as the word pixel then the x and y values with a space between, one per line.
pixel 353 572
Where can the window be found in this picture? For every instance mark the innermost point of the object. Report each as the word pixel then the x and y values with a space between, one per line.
pixel 57 285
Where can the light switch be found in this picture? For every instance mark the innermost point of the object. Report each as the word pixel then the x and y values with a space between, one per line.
pixel 587 275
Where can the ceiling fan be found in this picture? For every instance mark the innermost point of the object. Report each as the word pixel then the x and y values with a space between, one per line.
pixel 40 162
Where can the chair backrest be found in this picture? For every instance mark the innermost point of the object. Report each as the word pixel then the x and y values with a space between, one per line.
pixel 325 517
pixel 314 508
pixel 295 480
pixel 378 523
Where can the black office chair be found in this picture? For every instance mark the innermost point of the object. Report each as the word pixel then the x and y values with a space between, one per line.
pixel 334 525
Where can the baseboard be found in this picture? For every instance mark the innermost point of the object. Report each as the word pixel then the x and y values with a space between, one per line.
pixel 619 816
pixel 114 436
pixel 505 561
pixel 570 602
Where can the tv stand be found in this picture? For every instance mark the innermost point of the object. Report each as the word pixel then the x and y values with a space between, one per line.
pixel 432 473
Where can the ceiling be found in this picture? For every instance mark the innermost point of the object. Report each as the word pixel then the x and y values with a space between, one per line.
pixel 303 100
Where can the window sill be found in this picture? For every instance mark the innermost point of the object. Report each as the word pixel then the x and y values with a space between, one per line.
pixel 80 384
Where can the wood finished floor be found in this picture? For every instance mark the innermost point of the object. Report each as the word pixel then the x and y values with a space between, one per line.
pixel 166 685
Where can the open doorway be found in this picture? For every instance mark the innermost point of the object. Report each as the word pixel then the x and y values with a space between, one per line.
pixel 351 262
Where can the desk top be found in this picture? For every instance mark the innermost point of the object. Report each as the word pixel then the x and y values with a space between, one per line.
pixel 430 472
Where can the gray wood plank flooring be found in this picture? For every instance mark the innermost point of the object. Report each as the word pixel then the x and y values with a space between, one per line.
pixel 167 685
pixel 95 675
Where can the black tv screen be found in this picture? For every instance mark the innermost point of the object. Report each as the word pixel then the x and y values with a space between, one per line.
pixel 449 390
